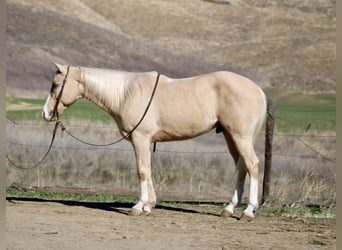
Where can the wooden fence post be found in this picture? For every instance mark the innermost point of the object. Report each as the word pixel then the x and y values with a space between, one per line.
pixel 268 149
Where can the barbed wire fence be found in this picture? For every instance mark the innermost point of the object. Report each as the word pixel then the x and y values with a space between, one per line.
pixel 316 154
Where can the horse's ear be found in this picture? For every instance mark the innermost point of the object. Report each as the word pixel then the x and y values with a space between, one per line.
pixel 61 68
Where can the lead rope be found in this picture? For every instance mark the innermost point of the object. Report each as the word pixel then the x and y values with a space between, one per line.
pixel 43 158
pixel 59 97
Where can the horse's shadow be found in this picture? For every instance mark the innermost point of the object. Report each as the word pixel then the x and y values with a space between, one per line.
pixel 117 207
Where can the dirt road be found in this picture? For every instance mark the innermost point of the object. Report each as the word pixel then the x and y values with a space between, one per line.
pixel 37 224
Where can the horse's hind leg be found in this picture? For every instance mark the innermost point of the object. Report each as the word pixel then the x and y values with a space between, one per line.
pixel 248 163
pixel 242 170
pixel 228 211
pixel 251 161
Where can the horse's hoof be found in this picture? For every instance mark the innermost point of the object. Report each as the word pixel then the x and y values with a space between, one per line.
pixel 147 210
pixel 147 213
pixel 135 212
pixel 247 216
pixel 225 213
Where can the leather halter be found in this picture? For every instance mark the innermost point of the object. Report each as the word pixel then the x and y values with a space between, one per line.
pixel 59 97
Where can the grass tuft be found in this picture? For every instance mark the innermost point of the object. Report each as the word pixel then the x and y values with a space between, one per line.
pixel 318 243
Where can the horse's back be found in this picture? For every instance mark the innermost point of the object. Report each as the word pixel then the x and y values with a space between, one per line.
pixel 215 79
pixel 212 91
pixel 194 105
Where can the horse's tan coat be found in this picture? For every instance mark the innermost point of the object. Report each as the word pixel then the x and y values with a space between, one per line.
pixel 181 109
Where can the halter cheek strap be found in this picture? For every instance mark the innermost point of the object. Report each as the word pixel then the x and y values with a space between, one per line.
pixel 59 97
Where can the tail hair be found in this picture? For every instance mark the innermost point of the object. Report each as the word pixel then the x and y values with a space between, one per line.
pixel 262 117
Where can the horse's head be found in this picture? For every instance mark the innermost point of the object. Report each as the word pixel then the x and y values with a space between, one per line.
pixel 65 90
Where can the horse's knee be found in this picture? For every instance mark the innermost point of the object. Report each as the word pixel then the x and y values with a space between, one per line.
pixel 141 175
pixel 144 174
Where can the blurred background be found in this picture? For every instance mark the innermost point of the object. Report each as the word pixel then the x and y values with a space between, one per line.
pixel 287 47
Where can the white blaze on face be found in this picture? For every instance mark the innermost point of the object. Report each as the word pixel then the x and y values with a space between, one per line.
pixel 46 111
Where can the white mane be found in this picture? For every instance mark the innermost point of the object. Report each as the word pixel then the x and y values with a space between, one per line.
pixel 111 85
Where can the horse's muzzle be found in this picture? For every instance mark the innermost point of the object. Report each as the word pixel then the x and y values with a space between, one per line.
pixel 48 117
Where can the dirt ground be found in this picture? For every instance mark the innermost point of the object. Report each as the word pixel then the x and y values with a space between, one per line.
pixel 38 224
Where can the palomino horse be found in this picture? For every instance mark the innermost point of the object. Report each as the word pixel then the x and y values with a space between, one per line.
pixel 180 109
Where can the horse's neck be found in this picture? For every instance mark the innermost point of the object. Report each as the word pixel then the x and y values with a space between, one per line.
pixel 106 88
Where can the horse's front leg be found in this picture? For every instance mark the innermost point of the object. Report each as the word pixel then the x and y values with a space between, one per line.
pixel 143 158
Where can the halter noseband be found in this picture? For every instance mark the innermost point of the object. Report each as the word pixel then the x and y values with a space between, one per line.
pixel 59 97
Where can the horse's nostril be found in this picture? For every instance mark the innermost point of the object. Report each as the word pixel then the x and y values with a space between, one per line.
pixel 45 117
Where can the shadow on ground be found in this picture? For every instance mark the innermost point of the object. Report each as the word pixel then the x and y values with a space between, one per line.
pixel 117 207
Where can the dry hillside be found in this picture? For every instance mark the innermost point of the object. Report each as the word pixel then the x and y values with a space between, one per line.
pixel 287 44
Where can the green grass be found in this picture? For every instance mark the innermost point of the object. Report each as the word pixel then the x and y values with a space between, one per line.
pixel 294 111
pixel 12 100
pixel 301 112
pixel 86 110
pixel 83 110
pixel 24 115
pixel 318 243
pixel 67 196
